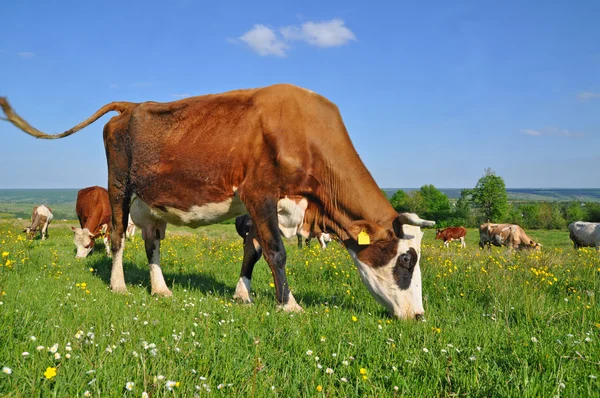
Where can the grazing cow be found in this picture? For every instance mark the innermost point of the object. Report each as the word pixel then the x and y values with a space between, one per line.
pixel 452 233
pixel 202 160
pixel 93 211
pixel 585 234
pixel 41 217
pixel 130 231
pixel 510 235
pixel 306 227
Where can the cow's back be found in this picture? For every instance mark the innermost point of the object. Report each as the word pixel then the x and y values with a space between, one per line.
pixel 93 208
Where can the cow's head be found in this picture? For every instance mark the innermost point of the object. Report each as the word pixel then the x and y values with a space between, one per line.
pixel 29 233
pixel 389 263
pixel 438 234
pixel 84 241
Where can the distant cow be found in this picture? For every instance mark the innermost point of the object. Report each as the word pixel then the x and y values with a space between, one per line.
pixel 93 211
pixel 452 233
pixel 510 235
pixel 585 234
pixel 130 231
pixel 41 217
pixel 304 230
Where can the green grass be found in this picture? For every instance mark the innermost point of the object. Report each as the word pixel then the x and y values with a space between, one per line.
pixel 498 324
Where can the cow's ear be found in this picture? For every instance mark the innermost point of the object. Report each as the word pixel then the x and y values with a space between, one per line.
pixel 366 232
pixel 73 228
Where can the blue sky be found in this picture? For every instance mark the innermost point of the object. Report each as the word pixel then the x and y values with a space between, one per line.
pixel 431 92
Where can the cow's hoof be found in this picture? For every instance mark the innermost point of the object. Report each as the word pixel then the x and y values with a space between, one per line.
pixel 244 299
pixel 162 292
pixel 242 291
pixel 119 289
pixel 291 307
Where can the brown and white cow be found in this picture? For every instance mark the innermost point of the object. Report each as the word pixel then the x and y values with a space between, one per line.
pixel 130 231
pixel 202 160
pixel 93 211
pixel 452 233
pixel 585 234
pixel 510 235
pixel 306 227
pixel 41 217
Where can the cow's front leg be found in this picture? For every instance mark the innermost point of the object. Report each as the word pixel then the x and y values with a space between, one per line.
pixel 44 231
pixel 264 214
pixel 252 253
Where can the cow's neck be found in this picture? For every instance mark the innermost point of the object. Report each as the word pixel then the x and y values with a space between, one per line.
pixel 350 194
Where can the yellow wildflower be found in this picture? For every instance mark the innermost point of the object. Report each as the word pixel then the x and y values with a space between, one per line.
pixel 5 254
pixel 50 373
pixel 354 319
pixel 319 388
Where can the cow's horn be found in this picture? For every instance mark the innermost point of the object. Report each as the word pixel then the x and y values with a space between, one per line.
pixel 413 219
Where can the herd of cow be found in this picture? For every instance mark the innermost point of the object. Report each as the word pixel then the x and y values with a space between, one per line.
pixel 280 154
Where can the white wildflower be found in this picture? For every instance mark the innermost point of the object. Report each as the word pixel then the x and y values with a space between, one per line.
pixel 54 348
pixel 57 356
pixel 534 340
pixel 425 349
pixel 25 354
pixel 329 371
pixel 32 338
pixel 129 386
pixel 309 352
pixel 6 370
pixel 344 380
pixel 472 357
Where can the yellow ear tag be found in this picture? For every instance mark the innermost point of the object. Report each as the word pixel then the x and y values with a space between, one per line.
pixel 363 238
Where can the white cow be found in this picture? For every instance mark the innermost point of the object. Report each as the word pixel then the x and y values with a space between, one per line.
pixel 585 234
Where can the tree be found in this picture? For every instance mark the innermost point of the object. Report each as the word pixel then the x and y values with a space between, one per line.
pixel 398 201
pixel 490 196
pixel 574 212
pixel 436 204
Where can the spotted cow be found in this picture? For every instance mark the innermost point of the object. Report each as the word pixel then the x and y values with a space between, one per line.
pixel 510 235
pixel 202 160
pixel 41 217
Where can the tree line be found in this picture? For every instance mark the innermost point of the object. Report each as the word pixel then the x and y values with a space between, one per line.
pixel 488 201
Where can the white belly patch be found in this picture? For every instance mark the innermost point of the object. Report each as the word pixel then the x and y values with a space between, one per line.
pixel 290 214
pixel 197 216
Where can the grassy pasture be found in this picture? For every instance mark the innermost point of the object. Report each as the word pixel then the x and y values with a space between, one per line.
pixel 497 324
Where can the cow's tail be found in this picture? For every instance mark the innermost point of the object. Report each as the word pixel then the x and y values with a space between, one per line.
pixel 19 122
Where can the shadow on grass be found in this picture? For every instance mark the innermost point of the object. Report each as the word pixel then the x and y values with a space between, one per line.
pixel 135 275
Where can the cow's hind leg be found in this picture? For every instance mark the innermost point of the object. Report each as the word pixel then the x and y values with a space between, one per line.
pixel 462 242
pixel 252 253
pixel 153 231
pixel 264 213
pixel 119 203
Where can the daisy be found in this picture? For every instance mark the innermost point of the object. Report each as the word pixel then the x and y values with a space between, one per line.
pixel 129 386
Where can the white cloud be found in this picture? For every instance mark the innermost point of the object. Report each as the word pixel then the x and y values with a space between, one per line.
pixel 113 85
pixel 553 131
pixel 587 95
pixel 321 34
pixel 264 41
pixel 267 41
pixel 26 54
pixel 531 132
pixel 184 95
